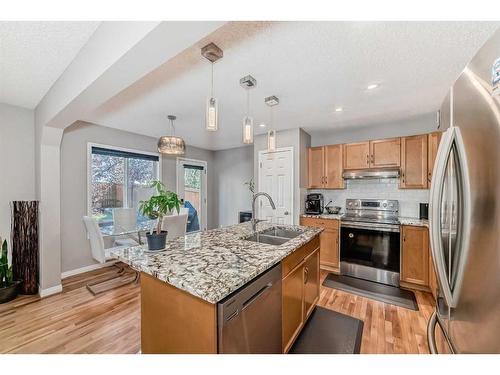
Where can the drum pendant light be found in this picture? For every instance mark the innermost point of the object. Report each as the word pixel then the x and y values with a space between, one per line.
pixel 170 144
pixel 212 53
pixel 271 101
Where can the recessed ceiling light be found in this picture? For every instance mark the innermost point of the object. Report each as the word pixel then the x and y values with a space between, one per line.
pixel 372 86
pixel 339 109
pixel 262 125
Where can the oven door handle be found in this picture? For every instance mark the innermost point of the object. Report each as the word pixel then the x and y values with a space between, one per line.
pixel 379 227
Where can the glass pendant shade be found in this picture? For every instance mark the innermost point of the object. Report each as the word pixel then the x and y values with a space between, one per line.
pixel 248 130
pixel 212 115
pixel 171 145
pixel 271 141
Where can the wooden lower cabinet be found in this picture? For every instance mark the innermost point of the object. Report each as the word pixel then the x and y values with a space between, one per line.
pixel 311 283
pixel 300 291
pixel 329 241
pixel 415 257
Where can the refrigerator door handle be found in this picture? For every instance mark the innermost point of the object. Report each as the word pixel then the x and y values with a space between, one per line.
pixel 435 212
pixel 431 334
pixel 452 137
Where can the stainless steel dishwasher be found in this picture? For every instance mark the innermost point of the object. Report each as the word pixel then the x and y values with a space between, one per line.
pixel 249 320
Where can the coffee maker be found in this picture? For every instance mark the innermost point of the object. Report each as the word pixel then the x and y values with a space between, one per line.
pixel 314 204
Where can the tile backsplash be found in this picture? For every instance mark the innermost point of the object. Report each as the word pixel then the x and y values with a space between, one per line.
pixel 378 189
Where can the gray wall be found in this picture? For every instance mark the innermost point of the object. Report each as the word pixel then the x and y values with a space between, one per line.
pixel 233 168
pixel 411 126
pixel 75 247
pixel 17 160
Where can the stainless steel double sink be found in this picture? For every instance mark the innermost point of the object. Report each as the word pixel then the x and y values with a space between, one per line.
pixel 274 236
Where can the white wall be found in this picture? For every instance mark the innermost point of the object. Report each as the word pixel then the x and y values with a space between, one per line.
pixel 415 125
pixel 75 248
pixel 17 160
pixel 233 168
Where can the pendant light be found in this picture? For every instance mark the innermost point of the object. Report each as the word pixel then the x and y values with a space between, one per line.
pixel 212 53
pixel 248 82
pixel 271 101
pixel 170 144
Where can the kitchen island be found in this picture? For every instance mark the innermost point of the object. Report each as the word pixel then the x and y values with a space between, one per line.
pixel 181 286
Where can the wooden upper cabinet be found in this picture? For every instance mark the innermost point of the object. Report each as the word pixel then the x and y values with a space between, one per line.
pixel 325 167
pixel 414 162
pixel 385 153
pixel 415 255
pixel 316 162
pixel 333 167
pixel 432 145
pixel 357 155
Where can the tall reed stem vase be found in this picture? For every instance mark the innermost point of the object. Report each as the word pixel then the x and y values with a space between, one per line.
pixel 24 233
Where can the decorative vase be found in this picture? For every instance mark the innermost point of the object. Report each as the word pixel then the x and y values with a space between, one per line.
pixel 10 292
pixel 156 241
pixel 24 232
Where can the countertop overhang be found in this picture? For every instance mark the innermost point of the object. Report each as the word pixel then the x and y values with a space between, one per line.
pixel 213 264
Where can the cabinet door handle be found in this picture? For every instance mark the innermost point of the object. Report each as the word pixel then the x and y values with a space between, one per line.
pixel 367 159
pixel 373 158
pixel 306 275
pixel 326 180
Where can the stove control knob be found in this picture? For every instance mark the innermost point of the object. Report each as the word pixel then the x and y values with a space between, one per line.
pixel 356 204
pixel 350 203
pixel 384 205
pixel 391 205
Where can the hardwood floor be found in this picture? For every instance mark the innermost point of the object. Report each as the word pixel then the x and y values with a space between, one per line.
pixel 75 321
pixel 387 328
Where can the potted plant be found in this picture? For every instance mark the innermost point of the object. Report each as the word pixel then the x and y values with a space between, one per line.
pixel 8 287
pixel 157 207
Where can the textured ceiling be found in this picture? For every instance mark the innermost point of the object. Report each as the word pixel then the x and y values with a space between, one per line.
pixel 34 54
pixel 312 67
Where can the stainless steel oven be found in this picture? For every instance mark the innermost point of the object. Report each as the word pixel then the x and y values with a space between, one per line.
pixel 370 241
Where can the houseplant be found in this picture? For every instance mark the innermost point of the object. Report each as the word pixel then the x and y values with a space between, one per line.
pixel 8 287
pixel 157 207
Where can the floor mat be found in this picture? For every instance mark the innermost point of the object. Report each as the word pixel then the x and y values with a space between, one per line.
pixel 329 332
pixel 380 292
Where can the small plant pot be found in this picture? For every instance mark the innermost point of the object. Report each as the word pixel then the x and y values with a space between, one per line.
pixel 156 241
pixel 10 292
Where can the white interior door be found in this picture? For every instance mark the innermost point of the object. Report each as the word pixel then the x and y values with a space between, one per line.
pixel 275 178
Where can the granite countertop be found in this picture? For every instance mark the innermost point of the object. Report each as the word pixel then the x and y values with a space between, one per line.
pixel 213 264
pixel 413 221
pixel 324 216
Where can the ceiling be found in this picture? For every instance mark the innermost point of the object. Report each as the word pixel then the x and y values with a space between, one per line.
pixel 34 54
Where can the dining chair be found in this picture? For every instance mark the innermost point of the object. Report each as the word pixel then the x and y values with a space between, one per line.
pixel 175 225
pixel 125 220
pixel 102 255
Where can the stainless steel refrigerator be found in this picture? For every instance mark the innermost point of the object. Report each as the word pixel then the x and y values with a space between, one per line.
pixel 464 210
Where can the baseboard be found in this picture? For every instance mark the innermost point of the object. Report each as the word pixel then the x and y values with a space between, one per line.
pixel 50 291
pixel 92 267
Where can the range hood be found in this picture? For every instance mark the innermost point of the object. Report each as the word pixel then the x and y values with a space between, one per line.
pixel 371 173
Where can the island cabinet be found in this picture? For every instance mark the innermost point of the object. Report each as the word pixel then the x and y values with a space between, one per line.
pixel 300 290
pixel 414 257
pixel 329 241
pixel 325 167
pixel 414 162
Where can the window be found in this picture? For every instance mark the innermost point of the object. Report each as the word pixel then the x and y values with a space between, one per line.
pixel 119 179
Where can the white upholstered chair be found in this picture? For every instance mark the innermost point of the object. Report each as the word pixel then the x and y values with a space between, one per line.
pixel 100 253
pixel 175 225
pixel 125 220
